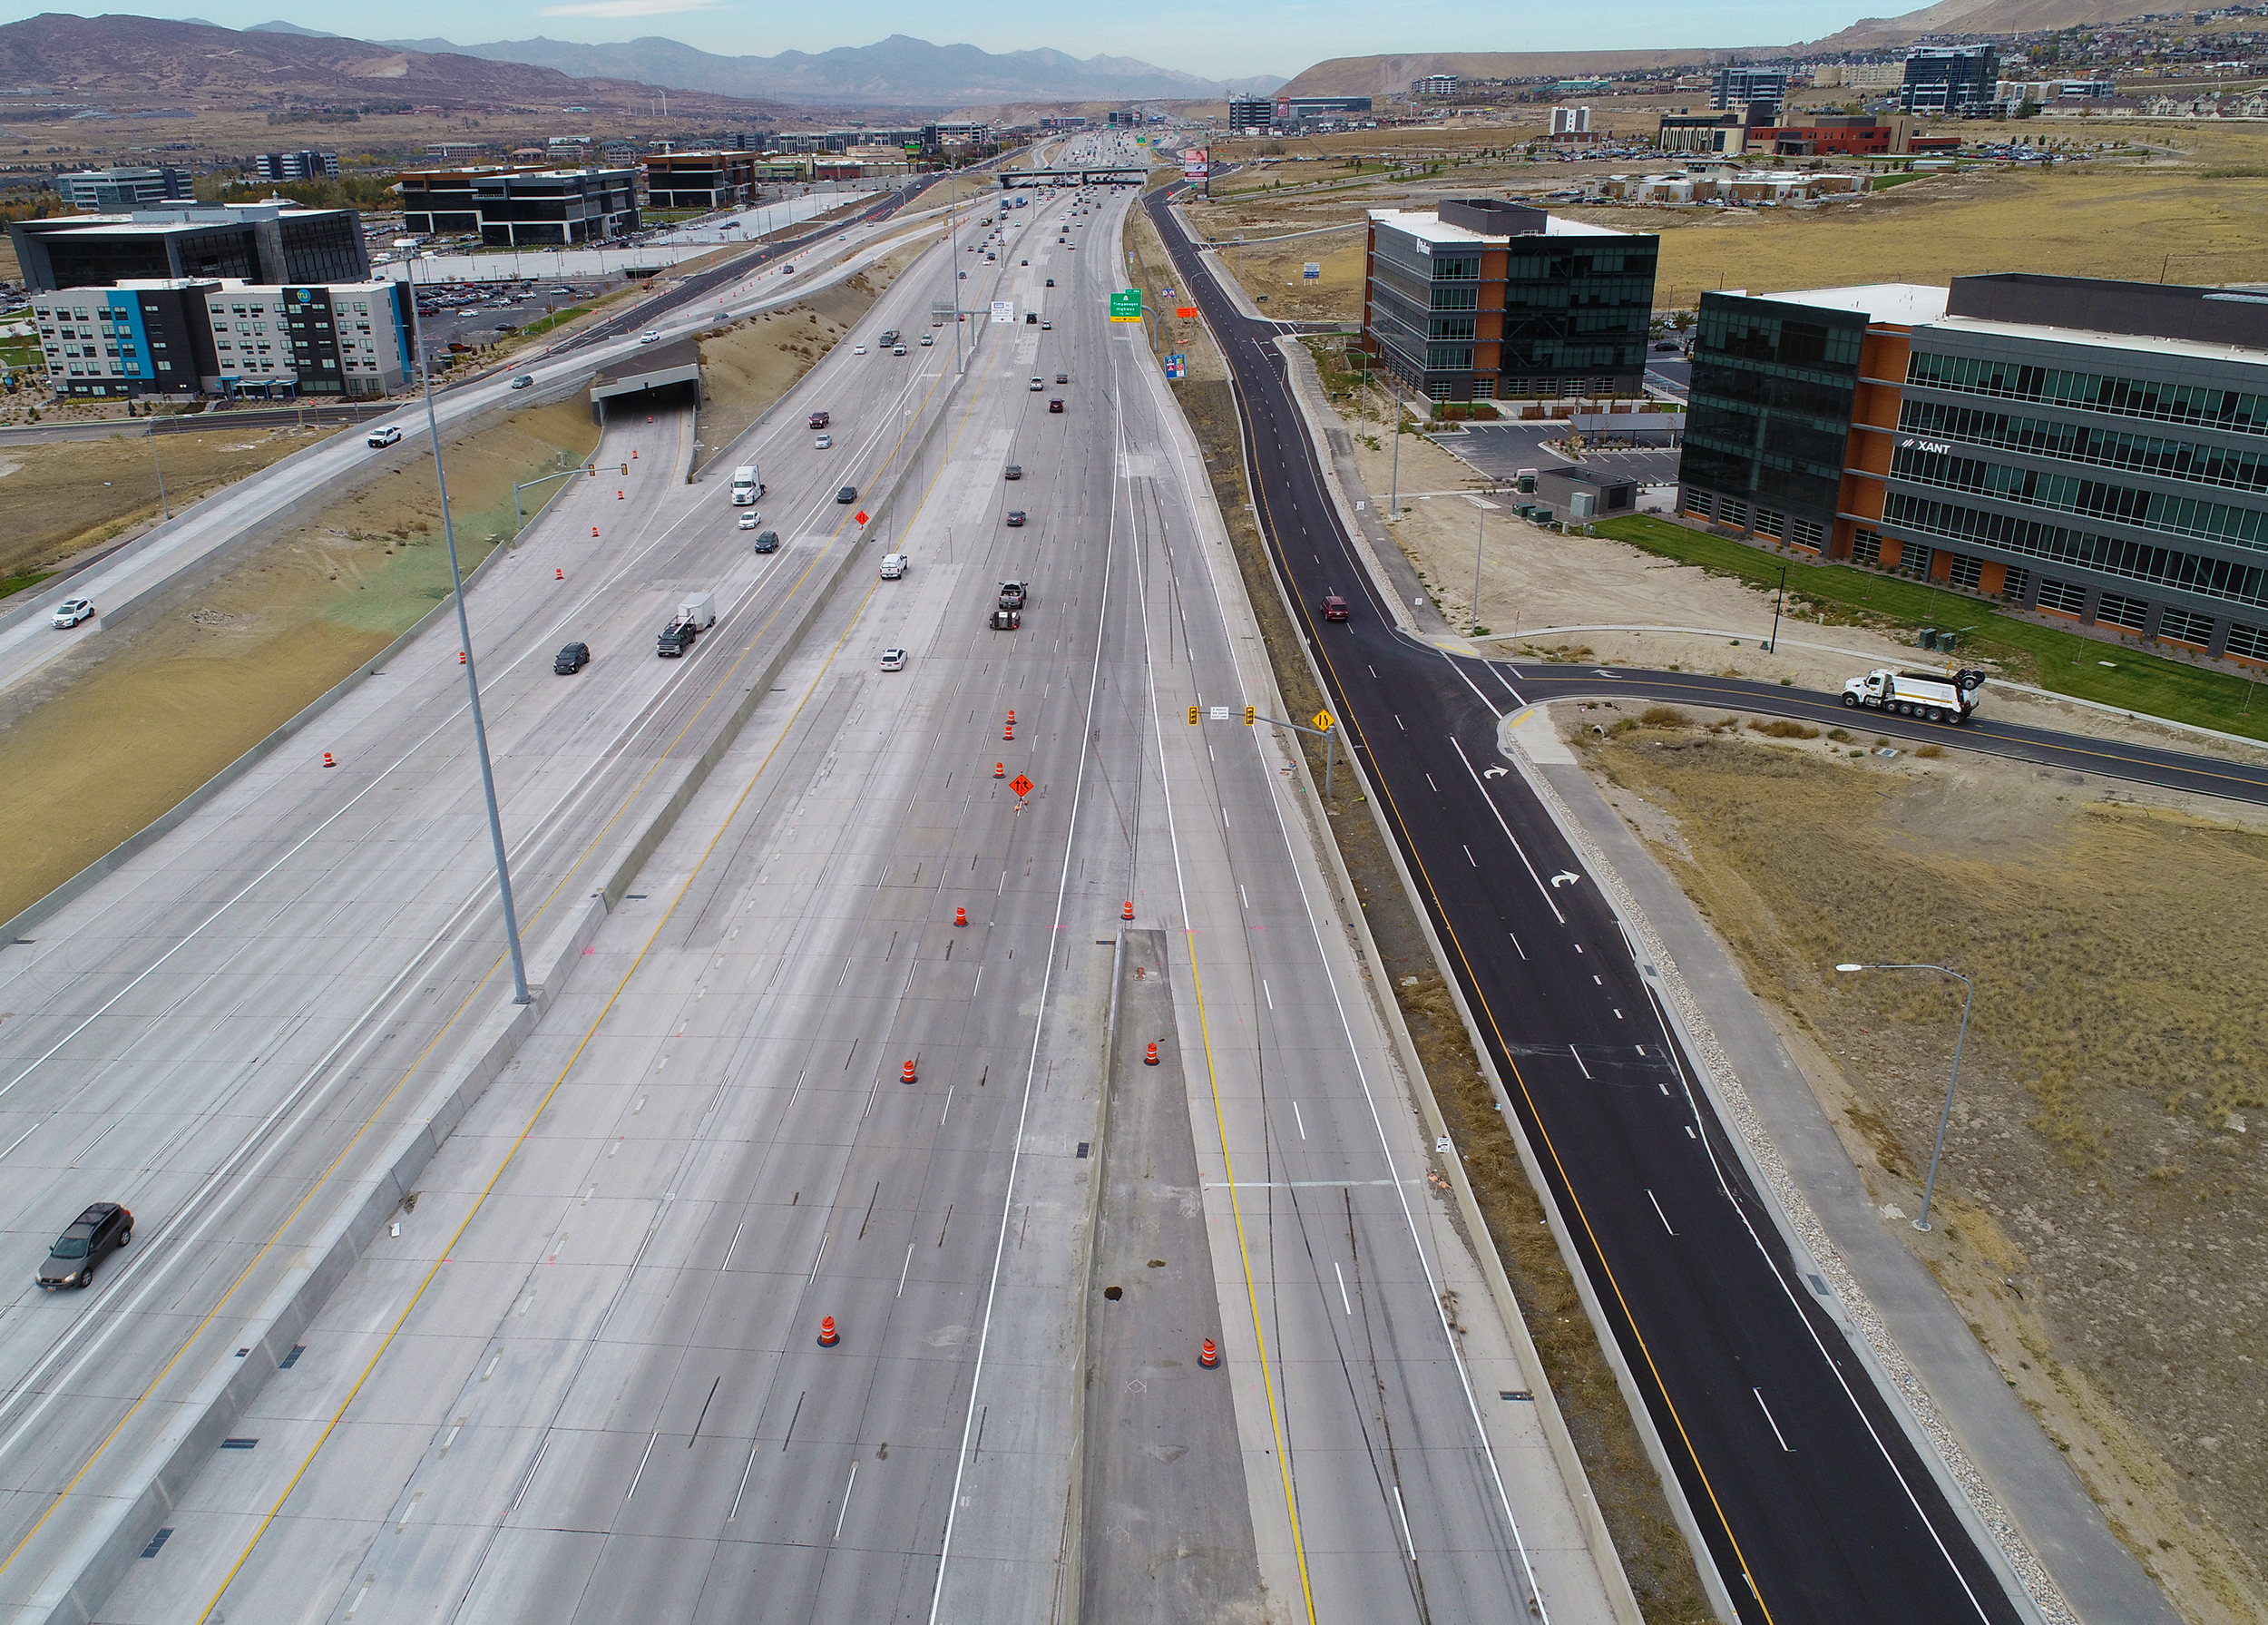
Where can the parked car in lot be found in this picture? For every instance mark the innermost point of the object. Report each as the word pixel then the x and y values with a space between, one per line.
pixel 94 1236
pixel 72 611
pixel 893 660
pixel 571 660
pixel 385 437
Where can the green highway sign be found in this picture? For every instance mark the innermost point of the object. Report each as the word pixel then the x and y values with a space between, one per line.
pixel 1127 305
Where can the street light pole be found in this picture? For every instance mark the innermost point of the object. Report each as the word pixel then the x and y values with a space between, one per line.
pixel 1929 1185
pixel 1480 528
pixel 1776 600
pixel 480 730
pixel 159 466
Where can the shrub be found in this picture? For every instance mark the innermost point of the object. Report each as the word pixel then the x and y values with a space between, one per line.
pixel 1780 727
pixel 1840 735
pixel 1931 751
pixel 1665 716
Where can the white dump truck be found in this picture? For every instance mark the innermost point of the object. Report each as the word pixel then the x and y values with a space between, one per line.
pixel 746 486
pixel 1932 696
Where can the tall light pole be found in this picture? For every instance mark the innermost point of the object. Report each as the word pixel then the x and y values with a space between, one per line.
pixel 953 225
pixel 1480 528
pixel 480 730
pixel 1936 1150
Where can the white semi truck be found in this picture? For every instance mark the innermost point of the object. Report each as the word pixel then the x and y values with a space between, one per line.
pixel 746 486
pixel 1933 698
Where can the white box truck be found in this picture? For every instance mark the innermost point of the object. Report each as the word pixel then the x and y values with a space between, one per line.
pixel 746 486
pixel 698 611
pixel 1934 698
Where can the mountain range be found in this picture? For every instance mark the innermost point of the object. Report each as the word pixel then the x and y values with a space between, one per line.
pixel 898 71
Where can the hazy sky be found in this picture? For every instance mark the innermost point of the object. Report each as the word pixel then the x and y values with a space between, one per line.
pixel 1269 36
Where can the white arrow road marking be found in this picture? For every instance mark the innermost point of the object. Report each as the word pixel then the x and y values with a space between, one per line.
pixel 1565 878
pixel 1495 772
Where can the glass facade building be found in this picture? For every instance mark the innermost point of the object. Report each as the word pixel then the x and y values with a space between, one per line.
pixel 1768 414
pixel 1487 300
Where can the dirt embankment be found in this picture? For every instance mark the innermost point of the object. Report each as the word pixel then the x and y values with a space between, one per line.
pixel 96 750
pixel 63 499
pixel 750 364
pixel 2103 1205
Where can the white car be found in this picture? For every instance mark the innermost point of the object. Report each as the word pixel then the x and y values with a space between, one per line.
pixel 893 660
pixel 72 611
pixel 928 339
pixel 858 349
pixel 749 519
pixel 823 443
pixel 649 337
pixel 385 437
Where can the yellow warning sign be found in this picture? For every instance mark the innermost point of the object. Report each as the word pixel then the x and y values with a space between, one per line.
pixel 1323 720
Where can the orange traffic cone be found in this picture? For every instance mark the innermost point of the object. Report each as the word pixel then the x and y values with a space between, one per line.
pixel 559 575
pixel 649 418
pixel 594 530
pixel 1127 913
pixel 907 1076
pixel 460 657
pixel 618 496
pixel 634 456
pixel 960 917
pixel 1151 1057
pixel 1000 769
pixel 1012 718
pixel 829 1339
pixel 1208 1356
pixel 327 761
pixel 1009 733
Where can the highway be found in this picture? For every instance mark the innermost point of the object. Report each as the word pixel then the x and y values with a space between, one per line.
pixel 577 1375
pixel 202 533
pixel 1811 1502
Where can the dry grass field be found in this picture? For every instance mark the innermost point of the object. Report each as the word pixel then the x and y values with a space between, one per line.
pixel 2190 205
pixel 63 499
pixel 96 751
pixel 2104 1202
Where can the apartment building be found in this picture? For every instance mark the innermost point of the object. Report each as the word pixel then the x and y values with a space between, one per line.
pixel 221 335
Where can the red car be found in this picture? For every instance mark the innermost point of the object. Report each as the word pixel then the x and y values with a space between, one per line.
pixel 1334 607
pixel 1055 406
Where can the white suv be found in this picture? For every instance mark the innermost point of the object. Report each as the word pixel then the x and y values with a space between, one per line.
pixel 72 611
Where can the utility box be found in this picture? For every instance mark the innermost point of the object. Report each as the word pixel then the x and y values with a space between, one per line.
pixel 1581 493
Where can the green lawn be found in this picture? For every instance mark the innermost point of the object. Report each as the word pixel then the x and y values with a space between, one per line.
pixel 2059 662
pixel 13 584
pixel 544 324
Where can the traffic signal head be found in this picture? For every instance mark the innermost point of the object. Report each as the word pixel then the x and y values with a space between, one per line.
pixel 1193 716
pixel 1251 711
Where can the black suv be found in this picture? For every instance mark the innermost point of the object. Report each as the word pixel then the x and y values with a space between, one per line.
pixel 91 1237
pixel 571 660
pixel 768 541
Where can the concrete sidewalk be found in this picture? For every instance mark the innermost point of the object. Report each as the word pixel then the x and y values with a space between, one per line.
pixel 2028 1511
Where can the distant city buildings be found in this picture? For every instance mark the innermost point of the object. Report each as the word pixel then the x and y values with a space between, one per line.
pixel 1484 299
pixel 1434 85
pixel 521 207
pixel 2091 449
pixel 224 336
pixel 104 190
pixel 1741 90
pixel 699 180
pixel 296 166
pixel 1251 116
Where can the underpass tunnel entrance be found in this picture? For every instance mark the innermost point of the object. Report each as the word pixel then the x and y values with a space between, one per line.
pixel 656 377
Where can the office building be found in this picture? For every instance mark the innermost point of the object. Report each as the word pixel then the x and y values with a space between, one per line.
pixel 256 242
pixel 1434 85
pixel 1251 116
pixel 1724 133
pixel 223 336
pixel 1484 299
pixel 2091 449
pixel 1300 110
pixel 703 180
pixel 106 191
pixel 1842 136
pixel 1569 122
pixel 514 208
pixel 943 133
pixel 1739 89
pixel 297 166
pixel 1950 80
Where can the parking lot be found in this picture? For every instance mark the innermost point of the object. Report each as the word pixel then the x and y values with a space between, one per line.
pixel 459 313
pixel 1500 450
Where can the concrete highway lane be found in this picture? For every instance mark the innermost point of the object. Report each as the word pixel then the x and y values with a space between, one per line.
pixel 1812 1502
pixel 226 1032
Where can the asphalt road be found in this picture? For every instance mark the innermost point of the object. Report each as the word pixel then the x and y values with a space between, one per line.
pixel 1813 1503
pixel 584 1382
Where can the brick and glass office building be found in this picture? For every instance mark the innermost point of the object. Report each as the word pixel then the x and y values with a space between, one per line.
pixel 704 180
pixel 101 190
pixel 200 336
pixel 1950 80
pixel 1484 299
pixel 253 242
pixel 2092 449
pixel 296 166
